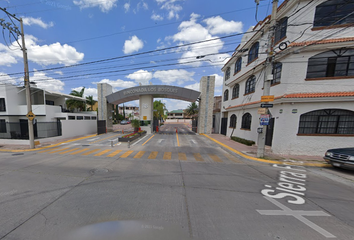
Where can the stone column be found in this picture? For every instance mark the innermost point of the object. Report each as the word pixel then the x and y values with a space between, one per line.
pixel 146 107
pixel 104 108
pixel 206 104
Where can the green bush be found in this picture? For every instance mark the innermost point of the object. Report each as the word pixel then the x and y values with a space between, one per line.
pixel 243 141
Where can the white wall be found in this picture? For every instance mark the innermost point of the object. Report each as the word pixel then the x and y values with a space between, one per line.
pixel 73 128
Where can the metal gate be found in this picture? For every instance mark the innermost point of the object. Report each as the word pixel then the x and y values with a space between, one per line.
pixel 155 124
pixel 195 125
pixel 269 133
pixel 101 126
pixel 223 129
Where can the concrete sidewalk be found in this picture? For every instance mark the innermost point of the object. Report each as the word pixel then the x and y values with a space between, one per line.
pixel 252 151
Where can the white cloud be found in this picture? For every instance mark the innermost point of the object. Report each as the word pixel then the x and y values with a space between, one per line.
pixel 117 83
pixel 194 86
pixel 132 45
pixel 54 53
pixel 59 72
pixel 218 25
pixel 4 78
pixel 87 92
pixel 156 17
pixel 174 76
pixel 36 21
pixel 171 7
pixel 141 76
pixel 126 6
pixel 47 83
pixel 218 80
pixel 104 5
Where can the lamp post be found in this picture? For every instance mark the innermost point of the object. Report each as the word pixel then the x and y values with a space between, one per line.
pixel 26 73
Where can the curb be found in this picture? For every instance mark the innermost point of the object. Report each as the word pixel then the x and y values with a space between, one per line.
pixel 41 148
pixel 264 160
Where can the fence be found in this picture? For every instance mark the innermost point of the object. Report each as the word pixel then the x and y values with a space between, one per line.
pixel 19 130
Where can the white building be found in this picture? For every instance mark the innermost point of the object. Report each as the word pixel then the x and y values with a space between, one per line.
pixel 131 111
pixel 313 79
pixel 52 119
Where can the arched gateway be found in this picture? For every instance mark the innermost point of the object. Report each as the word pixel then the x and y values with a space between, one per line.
pixel 146 94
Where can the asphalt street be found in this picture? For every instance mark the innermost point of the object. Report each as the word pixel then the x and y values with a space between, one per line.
pixel 168 179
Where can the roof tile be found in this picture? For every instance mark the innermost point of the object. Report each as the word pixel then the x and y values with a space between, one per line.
pixel 336 40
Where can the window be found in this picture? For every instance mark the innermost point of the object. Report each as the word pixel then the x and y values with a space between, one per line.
pixel 253 52
pixel 227 74
pixel 327 121
pixel 335 63
pixel 280 30
pixel 238 65
pixel 2 126
pixel 71 117
pixel 87 118
pixel 93 118
pixel 226 95
pixel 2 105
pixel 236 91
pixel 49 102
pixel 334 12
pixel 233 120
pixel 246 121
pixel 277 67
pixel 250 85
pixel 79 118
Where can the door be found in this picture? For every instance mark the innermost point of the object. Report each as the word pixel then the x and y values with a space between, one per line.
pixel 24 129
pixel 269 133
pixel 223 126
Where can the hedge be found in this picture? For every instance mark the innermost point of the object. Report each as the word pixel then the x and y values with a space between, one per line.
pixel 243 141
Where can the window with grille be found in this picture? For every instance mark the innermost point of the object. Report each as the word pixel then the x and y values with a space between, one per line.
pixel 226 95
pixel 327 121
pixel 250 85
pixel 277 67
pixel 280 30
pixel 2 126
pixel 246 121
pixel 2 105
pixel 334 63
pixel 236 91
pixel 253 52
pixel 233 121
pixel 238 65
pixel 334 12
pixel 227 74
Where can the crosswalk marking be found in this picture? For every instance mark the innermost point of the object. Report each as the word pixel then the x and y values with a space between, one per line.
pixel 90 152
pixel 126 154
pixel 102 152
pixel 58 150
pixel 50 149
pixel 152 155
pixel 139 154
pixel 214 157
pixel 167 156
pixel 182 156
pixel 71 150
pixel 80 151
pixel 114 153
pixel 232 158
pixel 198 157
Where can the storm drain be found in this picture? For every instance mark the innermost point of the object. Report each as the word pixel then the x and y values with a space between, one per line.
pixel 15 154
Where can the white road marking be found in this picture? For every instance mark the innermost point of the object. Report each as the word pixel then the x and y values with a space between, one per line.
pixel 117 144
pixel 299 215
pixel 160 140
pixel 194 141
pixel 93 139
pixel 138 141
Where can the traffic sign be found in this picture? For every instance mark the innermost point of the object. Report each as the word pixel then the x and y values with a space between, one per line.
pixel 30 116
pixel 264 119
pixel 266 105
pixel 269 98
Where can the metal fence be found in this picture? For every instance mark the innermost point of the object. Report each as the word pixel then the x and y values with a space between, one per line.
pixel 19 130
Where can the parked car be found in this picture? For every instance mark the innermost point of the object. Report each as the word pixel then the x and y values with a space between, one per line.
pixel 129 122
pixel 340 157
pixel 123 122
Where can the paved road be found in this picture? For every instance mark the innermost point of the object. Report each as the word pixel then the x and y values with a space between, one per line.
pixel 180 179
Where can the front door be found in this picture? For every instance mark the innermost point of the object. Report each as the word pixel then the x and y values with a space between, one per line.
pixel 223 126
pixel 24 128
pixel 269 133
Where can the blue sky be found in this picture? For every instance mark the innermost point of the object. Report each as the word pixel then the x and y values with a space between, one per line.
pixel 63 33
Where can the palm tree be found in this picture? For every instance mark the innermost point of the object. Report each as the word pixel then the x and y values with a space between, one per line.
pixel 192 109
pixel 90 101
pixel 160 108
pixel 72 103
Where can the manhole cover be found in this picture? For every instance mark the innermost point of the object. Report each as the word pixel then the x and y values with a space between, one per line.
pixel 99 171
pixel 15 154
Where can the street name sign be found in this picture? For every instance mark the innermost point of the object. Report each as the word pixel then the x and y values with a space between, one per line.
pixel 269 98
pixel 266 105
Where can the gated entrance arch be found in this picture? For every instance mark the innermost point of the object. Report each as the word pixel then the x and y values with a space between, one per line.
pixel 146 94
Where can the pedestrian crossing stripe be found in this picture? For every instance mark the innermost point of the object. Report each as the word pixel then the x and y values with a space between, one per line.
pixel 114 153
pixel 90 152
pixel 71 150
pixel 102 152
pixel 80 151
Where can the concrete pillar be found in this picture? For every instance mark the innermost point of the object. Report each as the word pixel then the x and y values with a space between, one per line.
pixel 146 106
pixel 206 104
pixel 104 108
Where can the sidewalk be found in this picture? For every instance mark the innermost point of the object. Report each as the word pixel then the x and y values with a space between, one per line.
pixel 252 151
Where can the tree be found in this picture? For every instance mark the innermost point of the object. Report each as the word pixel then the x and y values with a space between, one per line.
pixel 192 109
pixel 72 103
pixel 160 108
pixel 90 101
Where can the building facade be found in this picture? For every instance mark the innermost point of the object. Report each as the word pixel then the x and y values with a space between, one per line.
pixel 177 114
pixel 312 79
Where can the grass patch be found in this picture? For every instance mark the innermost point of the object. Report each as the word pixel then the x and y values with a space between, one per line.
pixel 243 141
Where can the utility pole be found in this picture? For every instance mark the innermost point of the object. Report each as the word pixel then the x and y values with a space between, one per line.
pixel 267 75
pixel 26 73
